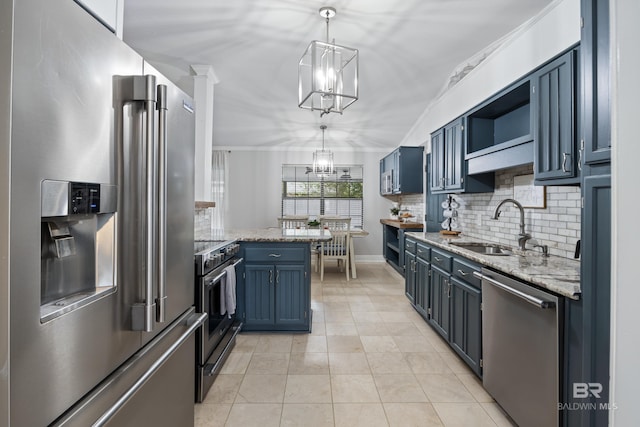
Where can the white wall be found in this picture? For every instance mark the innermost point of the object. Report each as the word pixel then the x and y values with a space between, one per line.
pixel 542 38
pixel 255 179
pixel 625 339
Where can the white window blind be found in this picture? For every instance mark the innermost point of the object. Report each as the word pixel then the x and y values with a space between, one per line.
pixel 304 193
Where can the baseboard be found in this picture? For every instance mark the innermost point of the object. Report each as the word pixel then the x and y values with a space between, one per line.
pixel 369 258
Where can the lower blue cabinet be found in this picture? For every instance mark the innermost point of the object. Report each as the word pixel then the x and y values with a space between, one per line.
pixel 465 331
pixel 442 288
pixel 439 301
pixel 276 293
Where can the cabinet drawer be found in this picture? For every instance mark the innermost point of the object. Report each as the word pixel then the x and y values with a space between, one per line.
pixel 273 254
pixel 441 259
pixel 464 270
pixel 410 245
pixel 423 252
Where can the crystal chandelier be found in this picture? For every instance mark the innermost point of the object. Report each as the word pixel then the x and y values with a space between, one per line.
pixel 327 74
pixel 323 160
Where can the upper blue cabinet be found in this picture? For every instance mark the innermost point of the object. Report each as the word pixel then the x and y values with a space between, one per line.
pixel 449 172
pixel 553 93
pixel 533 120
pixel 401 171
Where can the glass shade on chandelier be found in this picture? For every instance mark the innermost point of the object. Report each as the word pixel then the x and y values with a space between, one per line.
pixel 327 74
pixel 323 163
pixel 322 160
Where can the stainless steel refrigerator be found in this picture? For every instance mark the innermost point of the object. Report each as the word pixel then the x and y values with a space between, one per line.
pixel 96 220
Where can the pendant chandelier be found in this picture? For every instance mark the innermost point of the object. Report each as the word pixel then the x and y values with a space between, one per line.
pixel 323 160
pixel 327 74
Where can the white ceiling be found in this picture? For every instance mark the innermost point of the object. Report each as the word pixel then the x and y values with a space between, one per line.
pixel 408 50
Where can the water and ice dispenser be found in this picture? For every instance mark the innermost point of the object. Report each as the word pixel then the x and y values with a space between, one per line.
pixel 78 245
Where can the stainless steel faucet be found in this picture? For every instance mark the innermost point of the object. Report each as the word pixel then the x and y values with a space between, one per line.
pixel 523 237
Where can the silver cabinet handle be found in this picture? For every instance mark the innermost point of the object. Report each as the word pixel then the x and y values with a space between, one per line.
pixel 564 162
pixel 270 276
pixel 580 154
pixel 437 259
pixel 161 263
pixel 540 303
pixel 275 255
pixel 277 276
pixel 462 272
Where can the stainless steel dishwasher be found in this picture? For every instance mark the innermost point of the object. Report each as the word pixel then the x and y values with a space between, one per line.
pixel 521 336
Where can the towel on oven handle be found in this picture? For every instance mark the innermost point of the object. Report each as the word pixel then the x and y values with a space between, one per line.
pixel 228 291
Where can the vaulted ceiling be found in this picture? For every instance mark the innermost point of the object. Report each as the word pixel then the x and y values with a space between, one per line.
pixel 408 51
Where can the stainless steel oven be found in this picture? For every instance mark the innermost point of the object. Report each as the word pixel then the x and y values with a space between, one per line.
pixel 216 338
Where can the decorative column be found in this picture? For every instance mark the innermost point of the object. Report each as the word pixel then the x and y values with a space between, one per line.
pixel 203 81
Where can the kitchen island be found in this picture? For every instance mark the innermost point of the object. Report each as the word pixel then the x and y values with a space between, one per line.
pixel 274 282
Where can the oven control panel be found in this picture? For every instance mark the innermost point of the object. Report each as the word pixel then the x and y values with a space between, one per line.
pixel 216 257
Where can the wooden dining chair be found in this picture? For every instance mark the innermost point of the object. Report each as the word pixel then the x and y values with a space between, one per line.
pixel 293 221
pixel 338 247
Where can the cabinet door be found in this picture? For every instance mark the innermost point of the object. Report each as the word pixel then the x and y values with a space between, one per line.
pixel 595 71
pixel 465 331
pixel 396 171
pixel 259 295
pixel 422 286
pixel 553 97
pixel 291 297
pixel 454 155
pixel 437 161
pixel 410 276
pixel 439 301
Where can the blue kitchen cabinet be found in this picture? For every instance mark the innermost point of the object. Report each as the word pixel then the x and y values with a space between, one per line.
pixel 401 171
pixel 291 297
pixel 410 276
pixel 259 296
pixel 393 241
pixel 448 172
pixel 439 293
pixel 588 320
pixel 466 323
pixel 553 94
pixel 595 137
pixel 443 290
pixel 276 287
pixel 423 279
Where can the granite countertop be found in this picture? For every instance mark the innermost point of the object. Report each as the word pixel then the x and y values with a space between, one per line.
pixel 557 274
pixel 277 235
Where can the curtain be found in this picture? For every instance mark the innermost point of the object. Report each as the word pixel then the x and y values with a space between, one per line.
pixel 219 187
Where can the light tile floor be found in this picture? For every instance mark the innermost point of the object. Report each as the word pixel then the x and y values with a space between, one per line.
pixel 370 360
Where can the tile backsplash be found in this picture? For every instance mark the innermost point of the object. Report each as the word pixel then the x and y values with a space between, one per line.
pixel 202 223
pixel 413 203
pixel 557 225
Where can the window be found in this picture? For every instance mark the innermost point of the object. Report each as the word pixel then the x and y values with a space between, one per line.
pixel 304 193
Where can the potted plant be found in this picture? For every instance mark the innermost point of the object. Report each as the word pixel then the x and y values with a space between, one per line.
pixel 314 223
pixel 394 212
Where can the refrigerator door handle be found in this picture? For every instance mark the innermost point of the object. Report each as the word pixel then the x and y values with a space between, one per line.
pixel 130 89
pixel 161 298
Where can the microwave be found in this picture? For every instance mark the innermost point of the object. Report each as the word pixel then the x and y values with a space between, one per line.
pixel 386 182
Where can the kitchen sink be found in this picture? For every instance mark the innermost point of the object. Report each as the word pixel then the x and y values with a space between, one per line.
pixel 484 248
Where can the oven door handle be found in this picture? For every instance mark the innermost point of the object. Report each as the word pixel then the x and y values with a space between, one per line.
pixel 224 273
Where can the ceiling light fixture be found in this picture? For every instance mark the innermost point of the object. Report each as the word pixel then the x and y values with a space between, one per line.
pixel 327 74
pixel 323 159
